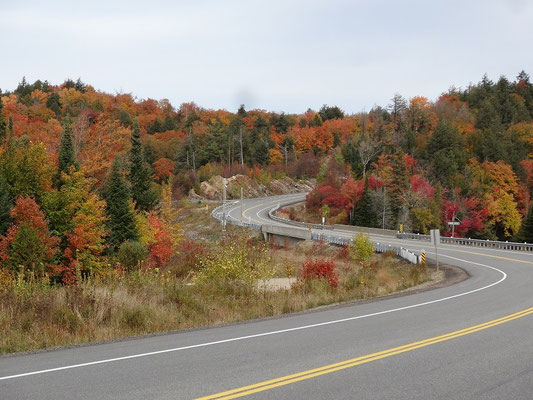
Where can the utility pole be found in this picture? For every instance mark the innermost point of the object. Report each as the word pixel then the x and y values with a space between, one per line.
pixel 242 155
pixel 241 202
pixel 223 204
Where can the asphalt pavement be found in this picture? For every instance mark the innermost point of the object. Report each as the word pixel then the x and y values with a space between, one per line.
pixel 470 340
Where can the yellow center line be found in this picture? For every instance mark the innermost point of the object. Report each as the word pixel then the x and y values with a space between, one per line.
pixel 312 373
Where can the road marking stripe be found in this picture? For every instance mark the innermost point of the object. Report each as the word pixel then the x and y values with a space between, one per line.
pixel 269 333
pixel 286 380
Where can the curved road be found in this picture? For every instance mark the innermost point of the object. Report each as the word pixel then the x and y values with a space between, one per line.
pixel 471 340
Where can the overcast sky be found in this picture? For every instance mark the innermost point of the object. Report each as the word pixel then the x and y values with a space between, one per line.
pixel 272 54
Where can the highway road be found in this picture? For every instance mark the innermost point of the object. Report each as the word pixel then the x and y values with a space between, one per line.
pixel 471 340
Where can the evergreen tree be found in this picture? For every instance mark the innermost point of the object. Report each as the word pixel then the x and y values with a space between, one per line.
pixel 6 202
pixel 327 112
pixel 316 121
pixel 446 153
pixel 66 156
pixel 9 128
pixel 140 175
pixel 526 230
pixel 241 112
pixel 364 213
pixel 54 103
pixel 2 121
pixel 121 221
pixel 260 152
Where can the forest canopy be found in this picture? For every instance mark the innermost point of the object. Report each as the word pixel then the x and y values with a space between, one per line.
pixel 83 173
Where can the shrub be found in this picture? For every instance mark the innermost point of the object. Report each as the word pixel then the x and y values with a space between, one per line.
pixel 238 260
pixel 292 214
pixel 362 248
pixel 131 254
pixel 137 318
pixel 320 269
pixel 190 254
pixel 344 253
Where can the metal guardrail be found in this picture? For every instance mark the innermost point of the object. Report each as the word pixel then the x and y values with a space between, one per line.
pixel 217 214
pixel 494 244
pixel 378 247
pixel 271 215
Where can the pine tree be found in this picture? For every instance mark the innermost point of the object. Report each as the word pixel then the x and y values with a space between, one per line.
pixel 66 156
pixel 121 219
pixel 2 121
pixel 6 202
pixel 364 213
pixel 10 128
pixel 140 175
pixel 526 230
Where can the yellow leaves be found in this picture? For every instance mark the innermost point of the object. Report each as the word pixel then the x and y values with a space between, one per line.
pixel 71 97
pixel 502 211
pixel 362 248
pixel 492 176
pixel 275 156
pixel 424 220
pixel 145 231
pixel 524 131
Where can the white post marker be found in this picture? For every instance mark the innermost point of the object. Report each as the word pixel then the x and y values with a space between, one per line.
pixel 435 240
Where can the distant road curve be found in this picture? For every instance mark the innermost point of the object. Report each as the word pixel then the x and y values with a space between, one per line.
pixel 471 340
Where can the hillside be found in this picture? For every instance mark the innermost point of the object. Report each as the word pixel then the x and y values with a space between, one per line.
pixel 86 175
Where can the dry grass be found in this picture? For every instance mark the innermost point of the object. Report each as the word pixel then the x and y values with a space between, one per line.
pixel 36 315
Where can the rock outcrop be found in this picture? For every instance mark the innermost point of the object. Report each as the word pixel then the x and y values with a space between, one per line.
pixel 212 189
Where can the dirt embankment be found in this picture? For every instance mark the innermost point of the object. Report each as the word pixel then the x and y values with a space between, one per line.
pixel 212 189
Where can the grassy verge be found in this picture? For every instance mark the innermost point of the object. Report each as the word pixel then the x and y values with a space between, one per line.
pixel 35 314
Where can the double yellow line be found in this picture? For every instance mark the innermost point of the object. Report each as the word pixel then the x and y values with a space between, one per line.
pixel 312 373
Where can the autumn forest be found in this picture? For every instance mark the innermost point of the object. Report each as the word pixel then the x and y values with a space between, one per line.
pixel 88 179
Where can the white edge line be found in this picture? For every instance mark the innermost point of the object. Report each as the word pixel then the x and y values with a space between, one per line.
pixel 236 339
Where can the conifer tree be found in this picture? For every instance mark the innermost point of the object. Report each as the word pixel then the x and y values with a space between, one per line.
pixel 6 202
pixel 364 213
pixel 140 175
pixel 526 230
pixel 66 156
pixel 121 221
pixel 10 128
pixel 2 121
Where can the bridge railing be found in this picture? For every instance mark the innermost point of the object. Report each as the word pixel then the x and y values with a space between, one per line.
pixel 494 244
pixel 378 247
pixel 324 236
pixel 272 215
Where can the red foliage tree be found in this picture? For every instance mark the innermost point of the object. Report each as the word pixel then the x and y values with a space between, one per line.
pixel 320 269
pixel 469 211
pixel 163 168
pixel 28 217
pixel 161 248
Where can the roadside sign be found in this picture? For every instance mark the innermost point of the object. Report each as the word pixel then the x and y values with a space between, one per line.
pixel 454 223
pixel 435 236
pixel 435 240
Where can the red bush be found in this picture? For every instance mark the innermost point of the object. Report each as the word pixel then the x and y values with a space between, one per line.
pixel 320 269
pixel 190 253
